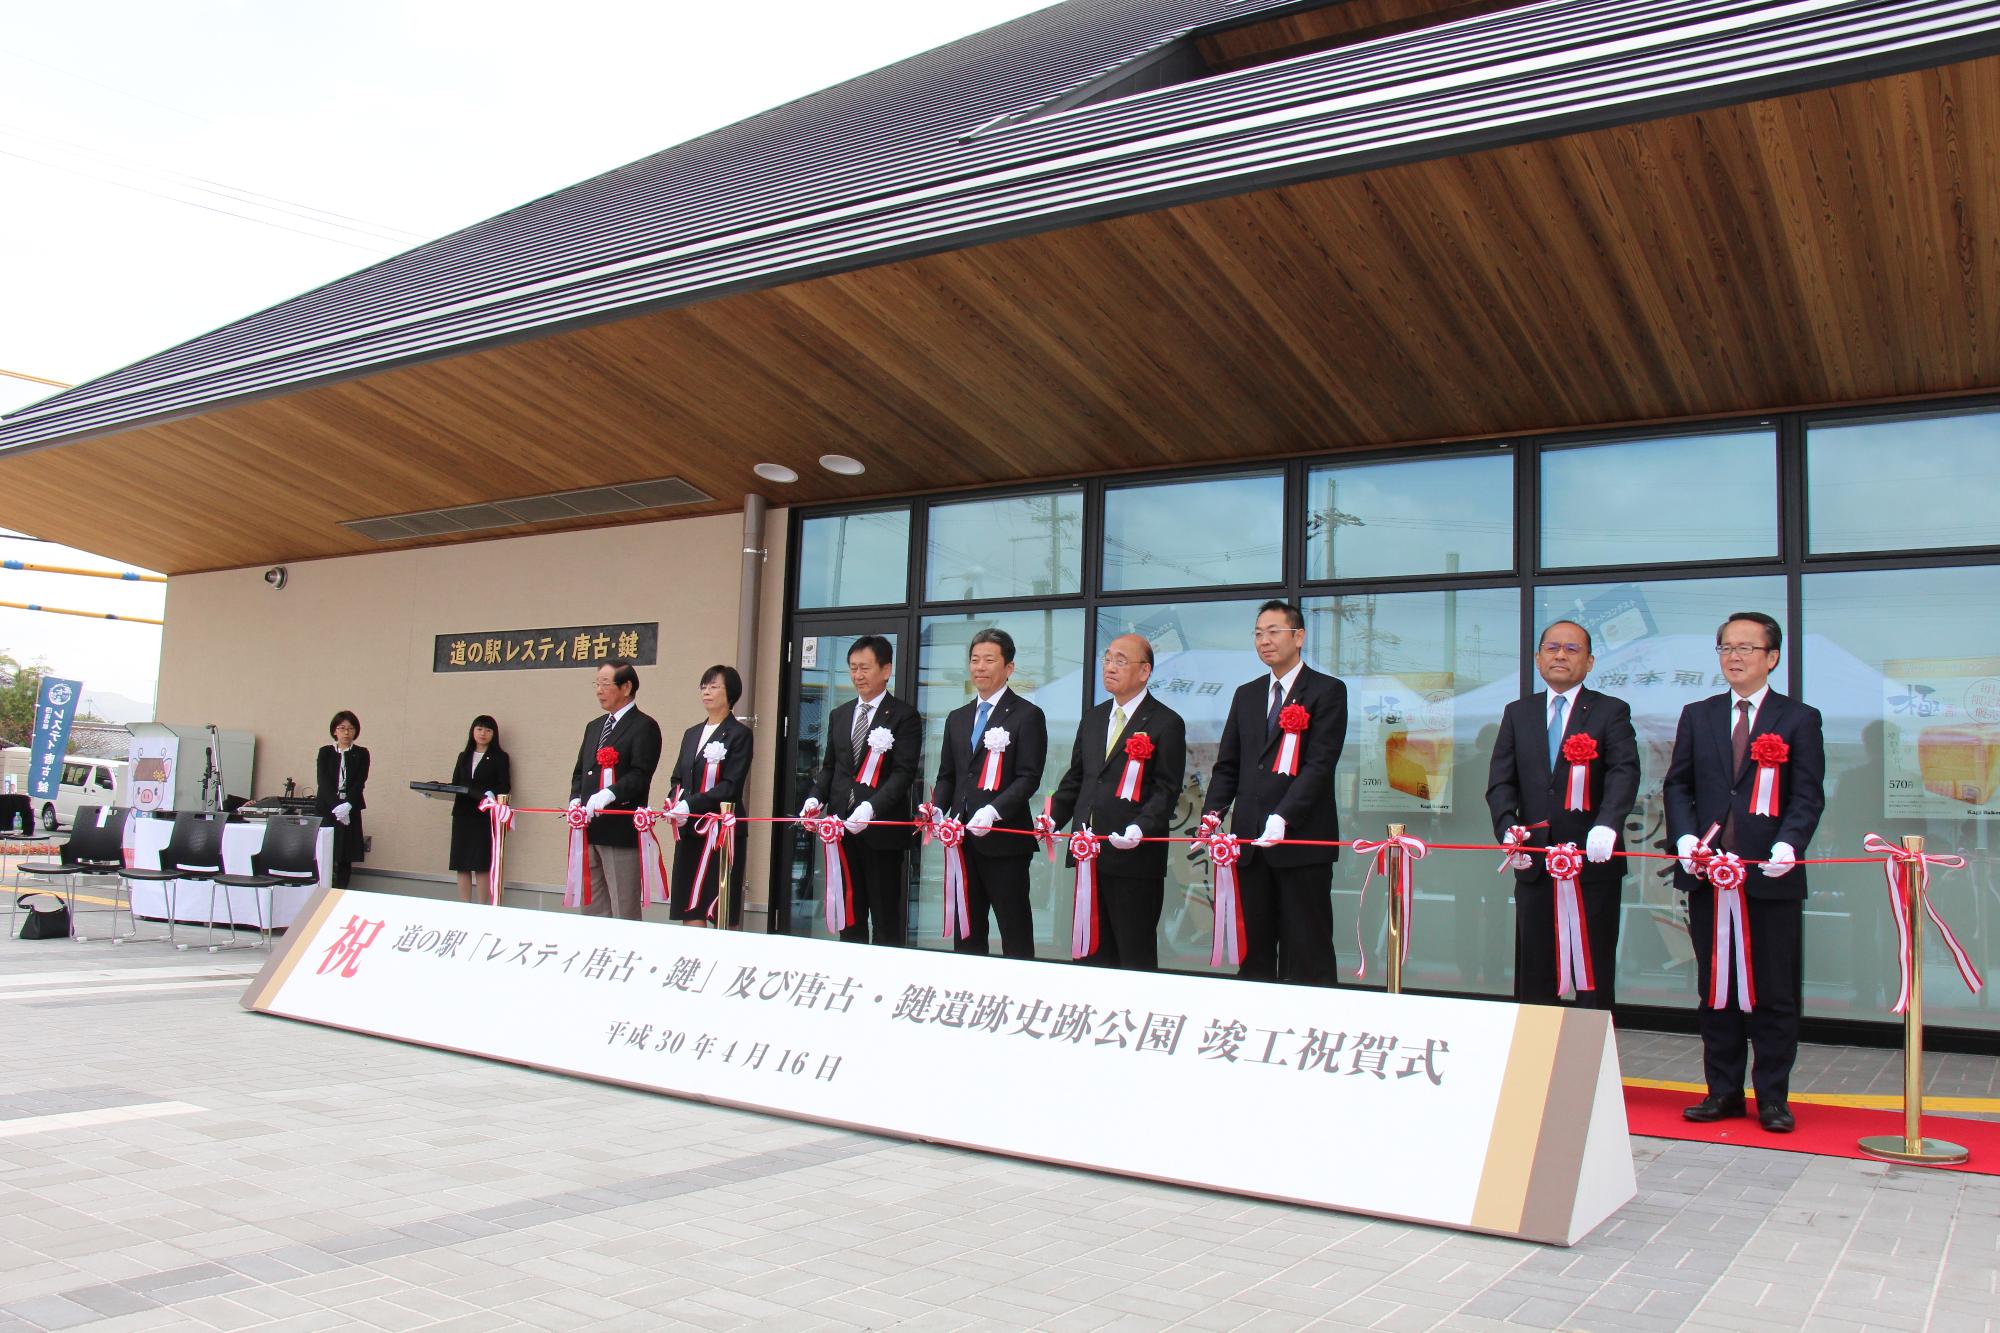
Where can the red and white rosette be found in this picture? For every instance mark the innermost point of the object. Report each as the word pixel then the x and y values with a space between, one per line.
pixel 1131 782
pixel 1578 751
pixel 1230 946
pixel 1405 887
pixel 607 766
pixel 500 818
pixel 652 863
pixel 950 835
pixel 1769 752
pixel 1573 973
pixel 1084 846
pixel 995 740
pixel 576 875
pixel 712 755
pixel 1045 828
pixel 1919 864
pixel 839 882
pixel 880 741
pixel 1293 719
pixel 713 829
pixel 1729 951
pixel 1518 836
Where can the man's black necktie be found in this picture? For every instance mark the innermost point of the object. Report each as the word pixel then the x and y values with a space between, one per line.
pixel 1277 705
pixel 1739 749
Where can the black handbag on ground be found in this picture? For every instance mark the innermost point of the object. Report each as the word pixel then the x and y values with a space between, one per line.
pixel 44 922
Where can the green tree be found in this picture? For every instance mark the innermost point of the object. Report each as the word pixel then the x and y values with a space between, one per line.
pixel 20 686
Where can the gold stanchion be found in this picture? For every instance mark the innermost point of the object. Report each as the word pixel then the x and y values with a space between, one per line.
pixel 1392 861
pixel 1911 1146
pixel 726 871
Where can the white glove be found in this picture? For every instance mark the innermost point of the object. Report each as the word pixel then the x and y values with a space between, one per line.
pixel 1782 860
pixel 1274 831
pixel 342 811
pixel 982 821
pixel 1685 850
pixel 679 813
pixel 1127 840
pixel 598 800
pixel 810 808
pixel 1516 837
pixel 862 816
pixel 1597 847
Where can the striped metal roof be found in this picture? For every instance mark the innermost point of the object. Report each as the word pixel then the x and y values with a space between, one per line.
pixel 979 140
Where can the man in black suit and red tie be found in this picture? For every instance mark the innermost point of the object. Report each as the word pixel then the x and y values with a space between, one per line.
pixel 1275 766
pixel 1565 770
pixel 612 840
pixel 995 748
pixel 1124 778
pixel 1747 778
pixel 874 756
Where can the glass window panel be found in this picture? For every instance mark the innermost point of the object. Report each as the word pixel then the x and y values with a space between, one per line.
pixel 1908 484
pixel 1904 666
pixel 1654 647
pixel 1020 546
pixel 1701 497
pixel 1222 530
pixel 855 559
pixel 1048 668
pixel 1427 516
pixel 1427 674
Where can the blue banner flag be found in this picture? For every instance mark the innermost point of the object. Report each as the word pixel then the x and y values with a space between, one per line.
pixel 55 709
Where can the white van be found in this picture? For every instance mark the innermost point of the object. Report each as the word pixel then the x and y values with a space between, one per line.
pixel 84 782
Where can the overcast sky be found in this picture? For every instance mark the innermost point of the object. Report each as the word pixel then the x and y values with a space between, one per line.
pixel 169 168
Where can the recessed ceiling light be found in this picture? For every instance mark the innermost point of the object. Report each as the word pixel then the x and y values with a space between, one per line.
pixel 842 464
pixel 777 472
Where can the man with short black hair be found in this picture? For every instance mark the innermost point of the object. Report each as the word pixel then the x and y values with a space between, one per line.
pixel 995 747
pixel 1275 766
pixel 613 841
pixel 1747 777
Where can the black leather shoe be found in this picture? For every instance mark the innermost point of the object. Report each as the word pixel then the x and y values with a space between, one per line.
pixel 1777 1117
pixel 1715 1106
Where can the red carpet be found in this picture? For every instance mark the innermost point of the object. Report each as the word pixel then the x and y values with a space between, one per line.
pixel 1827 1131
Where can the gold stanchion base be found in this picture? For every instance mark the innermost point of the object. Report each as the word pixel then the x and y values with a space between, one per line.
pixel 1912 1152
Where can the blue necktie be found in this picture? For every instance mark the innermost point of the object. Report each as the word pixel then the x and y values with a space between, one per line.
pixel 979 724
pixel 1277 705
pixel 1556 730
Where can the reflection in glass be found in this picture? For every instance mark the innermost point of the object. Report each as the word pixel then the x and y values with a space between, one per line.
pixel 855 559
pixel 1220 530
pixel 1700 497
pixel 1020 546
pixel 1428 516
pixel 1904 666
pixel 1427 674
pixel 1866 481
pixel 1049 668
pixel 1654 647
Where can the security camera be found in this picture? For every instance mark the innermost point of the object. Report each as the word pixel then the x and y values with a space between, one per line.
pixel 275 576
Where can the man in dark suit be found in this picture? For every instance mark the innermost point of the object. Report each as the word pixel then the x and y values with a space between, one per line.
pixel 861 793
pixel 1275 765
pixel 1001 736
pixel 613 841
pixel 1715 783
pixel 1528 785
pixel 1131 874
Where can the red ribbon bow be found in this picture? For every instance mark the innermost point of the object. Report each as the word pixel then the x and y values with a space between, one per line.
pixel 1084 845
pixel 1230 945
pixel 1767 752
pixel 500 817
pixel 1405 887
pixel 1293 719
pixel 1919 868
pixel 1573 970
pixel 576 872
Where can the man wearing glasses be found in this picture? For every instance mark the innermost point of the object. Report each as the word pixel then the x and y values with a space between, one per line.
pixel 1275 765
pixel 1546 788
pixel 1746 778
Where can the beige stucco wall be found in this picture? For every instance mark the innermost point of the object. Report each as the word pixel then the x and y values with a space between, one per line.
pixel 358 632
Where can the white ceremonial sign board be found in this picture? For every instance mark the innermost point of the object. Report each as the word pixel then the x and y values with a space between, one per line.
pixel 1480 1115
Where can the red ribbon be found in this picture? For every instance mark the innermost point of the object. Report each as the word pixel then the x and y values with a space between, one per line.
pixel 989 772
pixel 1768 751
pixel 576 875
pixel 1726 873
pixel 1293 719
pixel 1084 846
pixel 1573 971
pixel 951 836
pixel 1405 887
pixel 839 881
pixel 500 818
pixel 1919 864
pixel 1579 750
pixel 714 828
pixel 871 768
pixel 1045 827
pixel 1230 946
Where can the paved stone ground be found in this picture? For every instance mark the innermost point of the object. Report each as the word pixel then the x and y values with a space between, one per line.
pixel 168 1161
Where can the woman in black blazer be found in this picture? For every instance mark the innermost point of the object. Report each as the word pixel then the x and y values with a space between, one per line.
pixel 713 768
pixel 483 769
pixel 342 792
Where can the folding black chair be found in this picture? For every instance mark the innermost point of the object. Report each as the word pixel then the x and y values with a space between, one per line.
pixel 194 852
pixel 95 847
pixel 290 855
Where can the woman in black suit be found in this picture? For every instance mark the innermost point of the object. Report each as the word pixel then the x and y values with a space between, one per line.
pixel 483 769
pixel 342 792
pixel 713 768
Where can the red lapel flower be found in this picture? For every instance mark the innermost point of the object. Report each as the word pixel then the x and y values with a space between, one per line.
pixel 1580 749
pixel 1294 718
pixel 607 757
pixel 1770 749
pixel 1139 747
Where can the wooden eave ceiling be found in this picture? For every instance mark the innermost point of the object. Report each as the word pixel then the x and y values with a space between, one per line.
pixel 1834 246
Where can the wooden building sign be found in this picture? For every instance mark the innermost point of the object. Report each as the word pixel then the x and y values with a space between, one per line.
pixel 533 649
